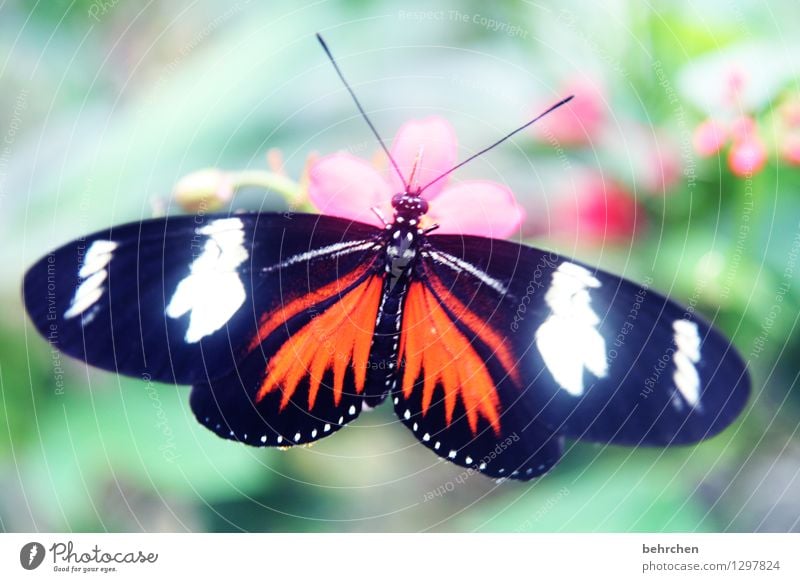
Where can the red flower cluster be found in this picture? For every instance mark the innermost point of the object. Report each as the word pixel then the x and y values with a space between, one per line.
pixel 747 154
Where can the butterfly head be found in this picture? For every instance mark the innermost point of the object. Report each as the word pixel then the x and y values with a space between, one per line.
pixel 409 206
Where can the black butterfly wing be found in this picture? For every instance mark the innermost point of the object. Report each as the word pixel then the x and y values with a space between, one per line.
pixel 524 447
pixel 449 391
pixel 177 299
pixel 598 357
pixel 304 372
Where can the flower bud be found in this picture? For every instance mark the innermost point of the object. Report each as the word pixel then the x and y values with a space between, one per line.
pixel 205 190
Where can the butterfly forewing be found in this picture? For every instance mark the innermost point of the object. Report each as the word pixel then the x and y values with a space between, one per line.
pixel 180 298
pixel 599 357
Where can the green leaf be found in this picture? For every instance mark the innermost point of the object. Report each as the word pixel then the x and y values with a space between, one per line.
pixel 135 433
pixel 618 491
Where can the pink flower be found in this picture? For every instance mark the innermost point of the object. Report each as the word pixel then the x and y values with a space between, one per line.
pixel 736 84
pixel 579 121
pixel 709 137
pixel 747 156
pixel 598 210
pixel 790 111
pixel 743 128
pixel 790 148
pixel 346 186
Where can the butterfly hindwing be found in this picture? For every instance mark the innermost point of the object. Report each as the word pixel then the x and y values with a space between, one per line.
pixel 179 298
pixel 304 375
pixel 452 366
pixel 600 358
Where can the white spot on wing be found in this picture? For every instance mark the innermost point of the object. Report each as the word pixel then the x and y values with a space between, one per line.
pixel 97 257
pixel 93 273
pixel 213 290
pixel 568 339
pixel 686 378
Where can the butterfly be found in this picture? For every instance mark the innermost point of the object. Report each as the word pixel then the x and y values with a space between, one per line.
pixel 289 326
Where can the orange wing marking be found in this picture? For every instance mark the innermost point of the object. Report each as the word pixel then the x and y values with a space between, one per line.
pixel 431 343
pixel 341 335
pixel 279 316
pixel 479 327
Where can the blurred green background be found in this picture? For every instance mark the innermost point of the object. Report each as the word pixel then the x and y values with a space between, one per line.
pixel 678 162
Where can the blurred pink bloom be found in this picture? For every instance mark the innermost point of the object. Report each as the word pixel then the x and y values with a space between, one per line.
pixel 743 128
pixel 346 186
pixel 790 111
pixel 790 148
pixel 736 82
pixel 600 211
pixel 709 137
pixel 579 121
pixel 747 156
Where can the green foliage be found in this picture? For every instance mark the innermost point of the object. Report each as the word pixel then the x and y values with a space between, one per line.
pixel 130 435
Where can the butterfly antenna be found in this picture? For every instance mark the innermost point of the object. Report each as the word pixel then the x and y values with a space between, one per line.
pixel 361 110
pixel 417 162
pixel 497 143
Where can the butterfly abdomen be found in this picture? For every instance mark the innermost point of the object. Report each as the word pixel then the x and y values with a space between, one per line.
pixel 383 366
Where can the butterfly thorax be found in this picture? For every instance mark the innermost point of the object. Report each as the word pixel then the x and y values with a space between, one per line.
pixel 403 237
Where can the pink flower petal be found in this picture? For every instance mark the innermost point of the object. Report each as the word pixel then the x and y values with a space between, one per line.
pixel 477 207
pixel 600 211
pixel 439 145
pixel 790 148
pixel 709 137
pixel 790 111
pixel 747 157
pixel 344 185
pixel 743 128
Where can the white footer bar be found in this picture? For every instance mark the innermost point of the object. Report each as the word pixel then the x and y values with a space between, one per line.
pixel 401 557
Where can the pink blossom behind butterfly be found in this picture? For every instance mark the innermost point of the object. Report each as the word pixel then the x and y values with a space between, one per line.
pixel 344 185
pixel 597 210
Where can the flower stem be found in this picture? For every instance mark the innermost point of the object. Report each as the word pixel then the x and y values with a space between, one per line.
pixel 291 191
